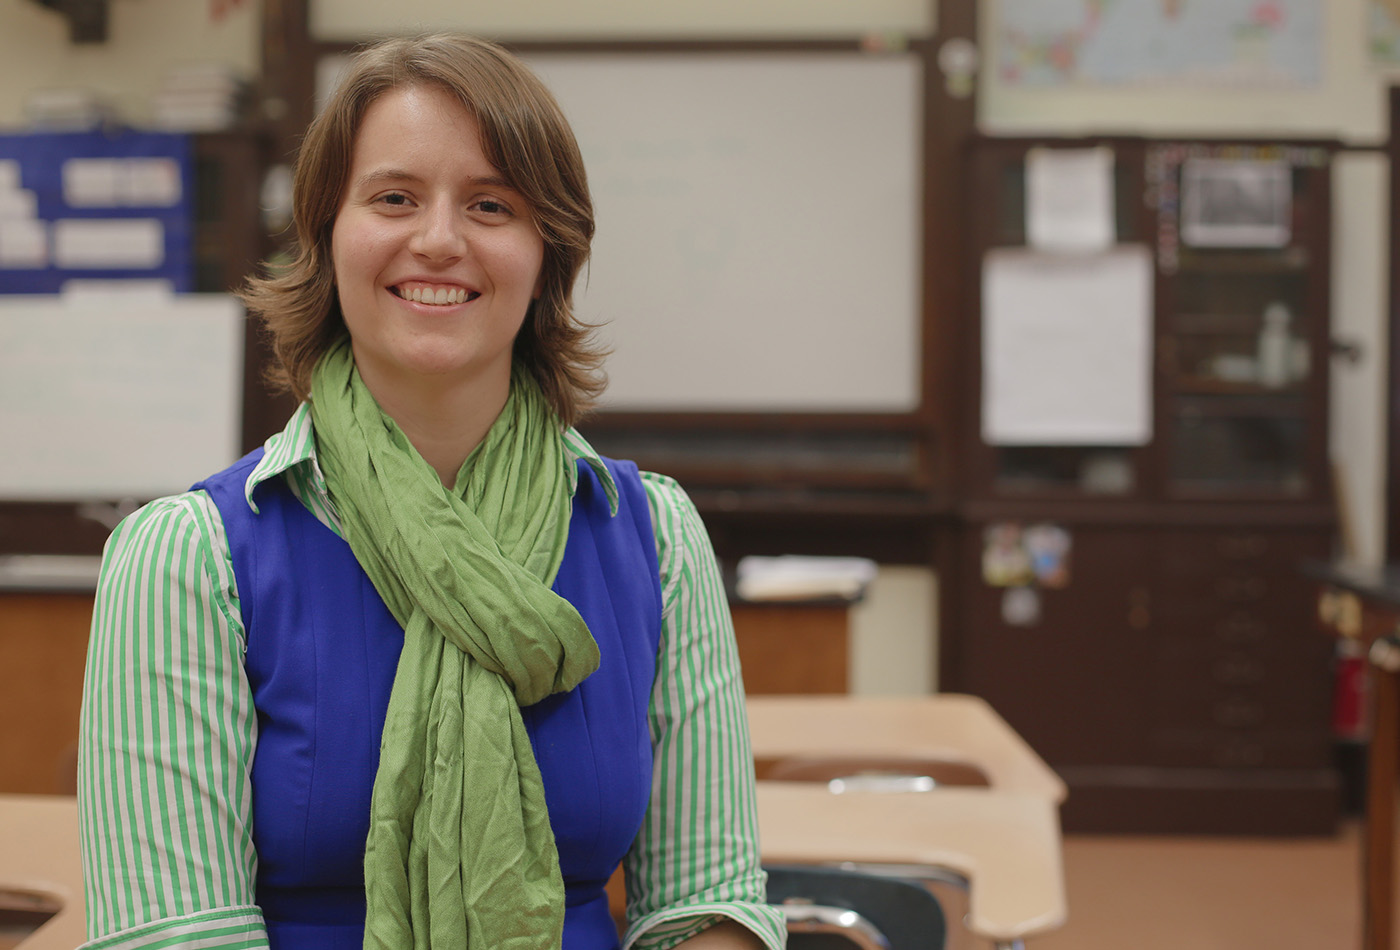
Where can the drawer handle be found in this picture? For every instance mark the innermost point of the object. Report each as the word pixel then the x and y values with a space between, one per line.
pixel 1237 671
pixel 1240 628
pixel 1237 714
pixel 1243 547
pixel 1240 588
pixel 1239 754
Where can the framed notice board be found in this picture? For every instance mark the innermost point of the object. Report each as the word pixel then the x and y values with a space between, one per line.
pixel 100 205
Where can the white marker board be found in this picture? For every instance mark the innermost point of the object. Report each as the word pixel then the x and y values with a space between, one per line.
pixel 111 399
pixel 758 243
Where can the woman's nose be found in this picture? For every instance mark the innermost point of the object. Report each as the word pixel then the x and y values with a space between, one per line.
pixel 439 234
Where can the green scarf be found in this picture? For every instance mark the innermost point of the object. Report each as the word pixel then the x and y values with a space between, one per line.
pixel 460 852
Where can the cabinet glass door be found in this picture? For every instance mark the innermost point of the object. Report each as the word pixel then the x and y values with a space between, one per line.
pixel 1238 322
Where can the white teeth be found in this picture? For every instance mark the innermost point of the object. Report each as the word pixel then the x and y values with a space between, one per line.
pixel 440 297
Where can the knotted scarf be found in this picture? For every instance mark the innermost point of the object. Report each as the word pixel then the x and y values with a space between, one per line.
pixel 460 852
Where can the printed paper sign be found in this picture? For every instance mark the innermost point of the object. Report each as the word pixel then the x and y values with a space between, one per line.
pixel 24 244
pixel 128 243
pixel 121 182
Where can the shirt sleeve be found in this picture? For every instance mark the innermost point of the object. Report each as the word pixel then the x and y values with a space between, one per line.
pixel 166 741
pixel 696 858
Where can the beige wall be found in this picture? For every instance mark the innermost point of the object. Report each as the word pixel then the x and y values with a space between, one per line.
pixel 356 19
pixel 146 38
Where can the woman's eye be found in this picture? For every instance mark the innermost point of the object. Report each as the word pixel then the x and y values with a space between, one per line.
pixel 394 199
pixel 492 206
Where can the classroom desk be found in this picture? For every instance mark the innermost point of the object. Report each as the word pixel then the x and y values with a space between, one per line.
pixel 1006 845
pixel 946 728
pixel 1363 603
pixel 40 867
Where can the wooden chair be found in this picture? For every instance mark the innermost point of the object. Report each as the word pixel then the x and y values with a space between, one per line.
pixel 1004 845
pixel 41 875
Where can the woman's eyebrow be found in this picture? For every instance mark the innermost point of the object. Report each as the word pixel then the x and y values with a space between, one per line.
pixel 381 175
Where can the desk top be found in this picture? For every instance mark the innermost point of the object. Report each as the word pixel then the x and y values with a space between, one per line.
pixel 1376 583
pixel 948 727
pixel 39 856
pixel 1006 845
pixel 49 573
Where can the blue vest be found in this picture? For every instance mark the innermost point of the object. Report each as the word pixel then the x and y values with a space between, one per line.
pixel 322 652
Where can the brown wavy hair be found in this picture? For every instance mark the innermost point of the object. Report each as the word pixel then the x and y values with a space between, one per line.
pixel 524 135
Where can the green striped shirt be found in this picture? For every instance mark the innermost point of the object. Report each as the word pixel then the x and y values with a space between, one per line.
pixel 169 729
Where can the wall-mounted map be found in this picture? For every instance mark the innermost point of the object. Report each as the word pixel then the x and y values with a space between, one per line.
pixel 1248 43
pixel 1384 24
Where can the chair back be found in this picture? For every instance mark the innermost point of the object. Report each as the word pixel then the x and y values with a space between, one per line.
pixel 830 908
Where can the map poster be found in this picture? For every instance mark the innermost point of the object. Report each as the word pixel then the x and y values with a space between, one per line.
pixel 1244 43
pixel 1383 21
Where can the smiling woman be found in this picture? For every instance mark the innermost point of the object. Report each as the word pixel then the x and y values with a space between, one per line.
pixel 425 669
pixel 437 260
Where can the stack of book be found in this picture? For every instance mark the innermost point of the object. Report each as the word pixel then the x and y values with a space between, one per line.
pixel 795 577
pixel 67 110
pixel 200 97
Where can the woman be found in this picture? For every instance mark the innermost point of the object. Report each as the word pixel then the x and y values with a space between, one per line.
pixel 426 668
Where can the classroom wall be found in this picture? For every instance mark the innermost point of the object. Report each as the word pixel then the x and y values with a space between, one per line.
pixel 892 651
pixel 146 38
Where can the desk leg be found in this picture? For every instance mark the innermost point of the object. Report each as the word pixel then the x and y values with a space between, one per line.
pixel 1379 839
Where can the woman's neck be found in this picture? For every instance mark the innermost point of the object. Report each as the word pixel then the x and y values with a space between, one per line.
pixel 443 422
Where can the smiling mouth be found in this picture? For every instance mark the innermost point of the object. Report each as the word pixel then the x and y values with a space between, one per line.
pixel 439 296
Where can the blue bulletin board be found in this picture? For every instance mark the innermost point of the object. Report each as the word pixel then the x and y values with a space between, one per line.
pixel 95 206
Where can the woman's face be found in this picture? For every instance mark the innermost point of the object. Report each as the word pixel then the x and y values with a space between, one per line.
pixel 436 259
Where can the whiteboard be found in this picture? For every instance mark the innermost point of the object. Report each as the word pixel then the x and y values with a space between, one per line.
pixel 759 226
pixel 112 399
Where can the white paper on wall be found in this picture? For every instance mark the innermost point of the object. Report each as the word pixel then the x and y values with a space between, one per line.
pixel 1232 202
pixel 18 203
pixel 1069 199
pixel 109 243
pixel 121 182
pixel 1067 347
pixel 24 244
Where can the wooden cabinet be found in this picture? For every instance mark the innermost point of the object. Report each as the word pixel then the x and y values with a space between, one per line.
pixel 43 649
pixel 793 647
pixel 1173 676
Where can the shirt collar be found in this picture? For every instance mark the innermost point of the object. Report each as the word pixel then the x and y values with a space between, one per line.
pixel 295 447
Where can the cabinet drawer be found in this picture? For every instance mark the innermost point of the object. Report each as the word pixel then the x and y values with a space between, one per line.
pixel 1202 555
pixel 1272 610
pixel 1233 690
pixel 1187 748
